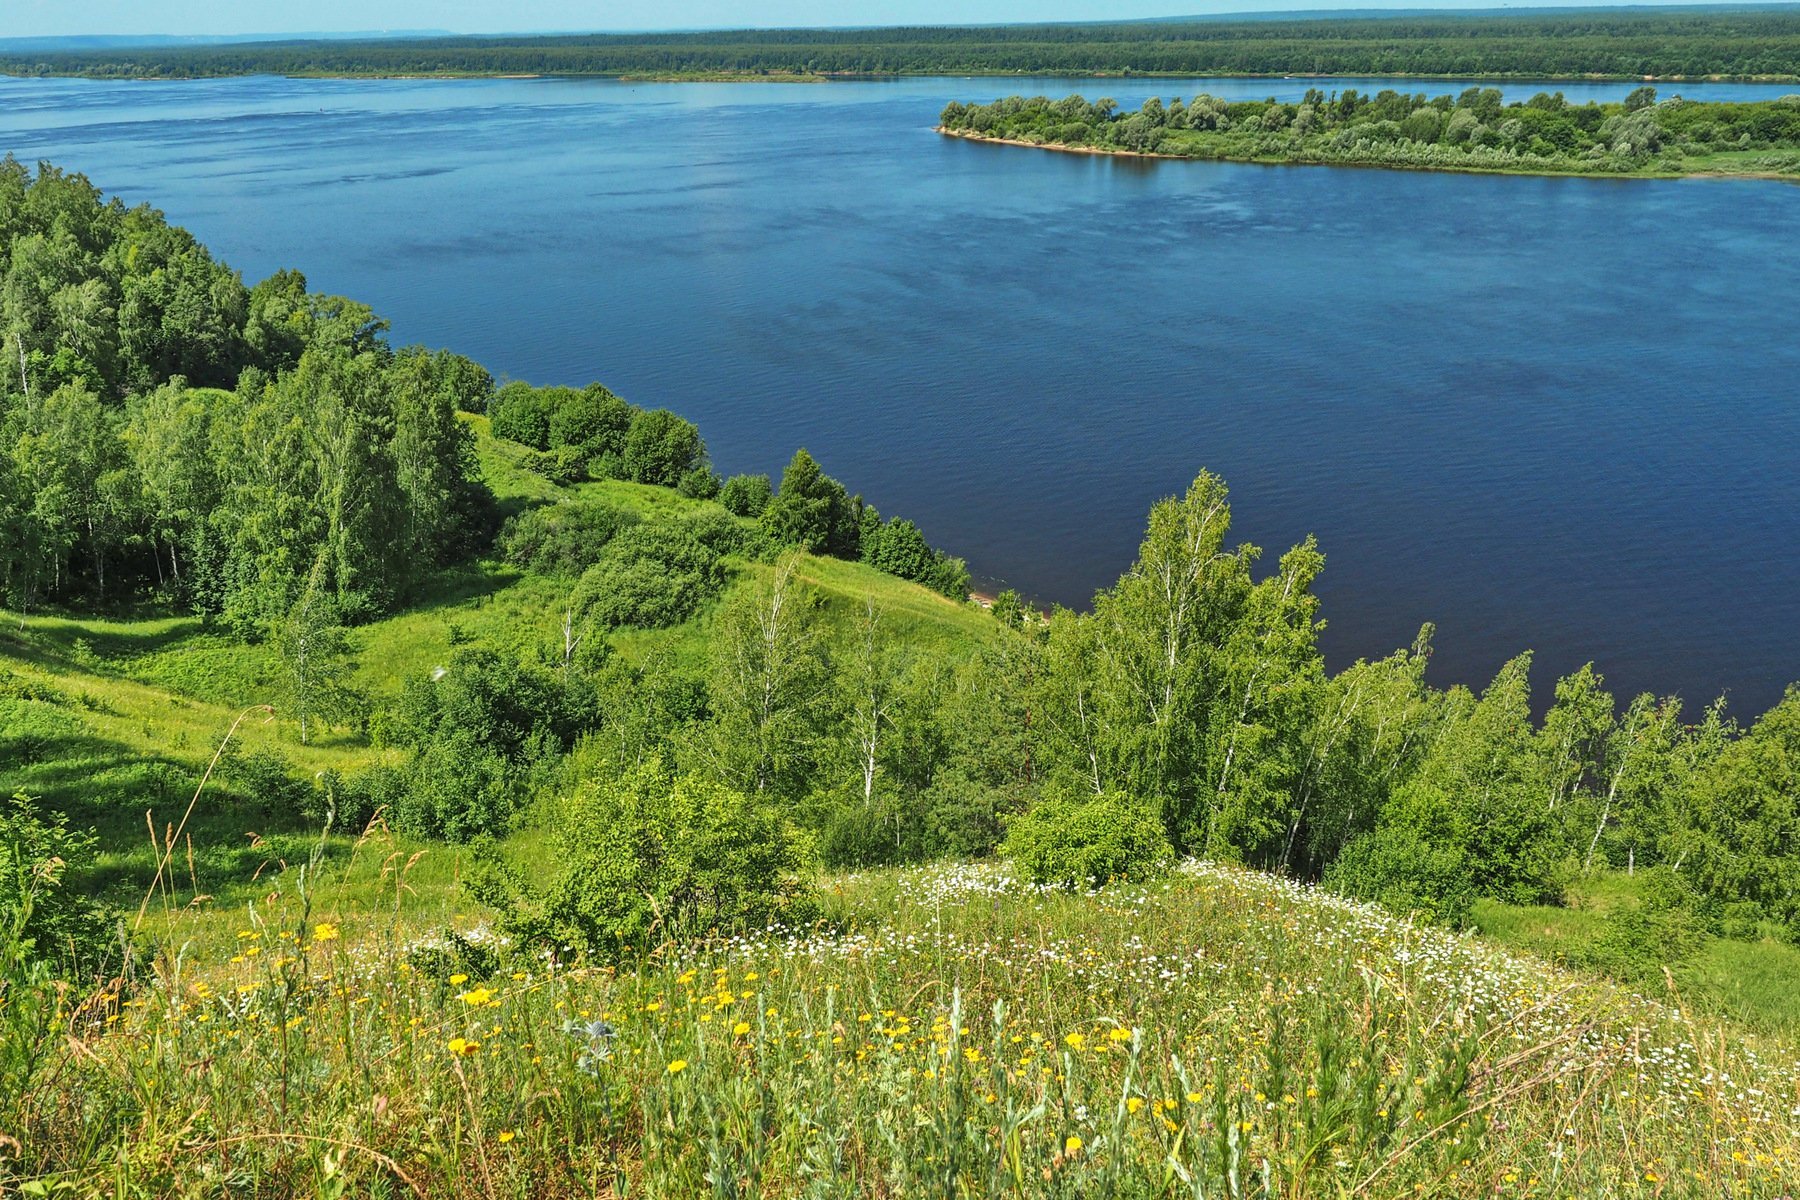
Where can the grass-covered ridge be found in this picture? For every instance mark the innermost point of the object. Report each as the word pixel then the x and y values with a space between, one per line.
pixel 945 1031
pixel 1473 131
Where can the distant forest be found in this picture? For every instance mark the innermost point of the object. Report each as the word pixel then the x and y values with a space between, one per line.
pixel 1757 43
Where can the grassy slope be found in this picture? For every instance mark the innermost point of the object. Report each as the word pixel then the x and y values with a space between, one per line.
pixel 1755 983
pixel 949 1032
pixel 139 706
pixel 127 713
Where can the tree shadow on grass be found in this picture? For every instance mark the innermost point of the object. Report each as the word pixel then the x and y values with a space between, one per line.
pixel 136 803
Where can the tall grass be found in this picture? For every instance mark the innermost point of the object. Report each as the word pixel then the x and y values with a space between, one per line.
pixel 948 1032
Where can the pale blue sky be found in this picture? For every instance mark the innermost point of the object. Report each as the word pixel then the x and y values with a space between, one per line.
pixel 31 18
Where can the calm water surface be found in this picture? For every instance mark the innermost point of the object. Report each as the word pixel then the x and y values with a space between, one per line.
pixel 1549 413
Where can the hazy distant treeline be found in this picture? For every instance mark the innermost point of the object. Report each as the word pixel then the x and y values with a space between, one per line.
pixel 1620 44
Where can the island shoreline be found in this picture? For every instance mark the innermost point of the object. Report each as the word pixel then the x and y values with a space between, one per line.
pixel 1117 152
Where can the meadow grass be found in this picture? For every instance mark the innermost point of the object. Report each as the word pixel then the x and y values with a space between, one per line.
pixel 946 1031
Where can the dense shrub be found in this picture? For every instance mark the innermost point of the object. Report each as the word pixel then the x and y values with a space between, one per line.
pixel 651 856
pixel 746 495
pixel 563 539
pixel 577 426
pixel 650 576
pixel 562 466
pixel 457 789
pixel 499 703
pixel 899 548
pixel 956 817
pixel 592 420
pixel 1637 943
pixel 44 921
pixel 661 447
pixel 1087 843
pixel 701 483
pixel 268 779
pixel 480 727
pixel 518 413
pixel 720 532
pixel 1395 869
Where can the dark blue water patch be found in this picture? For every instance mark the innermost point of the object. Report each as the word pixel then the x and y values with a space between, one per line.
pixel 1546 413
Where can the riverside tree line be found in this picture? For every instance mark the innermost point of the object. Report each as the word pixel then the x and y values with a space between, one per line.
pixel 1188 711
pixel 1473 130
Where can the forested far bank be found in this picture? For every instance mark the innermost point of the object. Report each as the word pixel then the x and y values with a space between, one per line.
pixel 1604 43
pixel 1472 131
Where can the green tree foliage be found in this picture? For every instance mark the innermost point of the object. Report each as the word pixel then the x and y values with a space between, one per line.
pixel 566 538
pixel 661 448
pixel 812 511
pixel 315 651
pixel 479 727
pixel 746 495
pixel 1747 808
pixel 592 420
pixel 520 413
pixel 1009 609
pixel 123 468
pixel 1089 843
pixel 1174 664
pixel 1482 792
pixel 899 548
pixel 768 674
pixel 648 856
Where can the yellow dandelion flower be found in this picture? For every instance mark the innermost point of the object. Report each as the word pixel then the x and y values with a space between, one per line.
pixel 463 1047
pixel 678 1066
pixel 508 1136
pixel 741 1028
pixel 1119 1035
pixel 458 979
pixel 1075 1041
pixel 1133 1105
pixel 1072 1146
pixel 476 997
pixel 325 931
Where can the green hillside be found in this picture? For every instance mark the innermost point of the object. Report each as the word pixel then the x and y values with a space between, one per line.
pixel 109 720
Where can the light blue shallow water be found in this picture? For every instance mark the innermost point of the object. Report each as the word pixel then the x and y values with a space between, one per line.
pixel 1548 413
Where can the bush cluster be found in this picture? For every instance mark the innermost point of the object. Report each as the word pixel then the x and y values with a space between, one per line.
pixel 1089 843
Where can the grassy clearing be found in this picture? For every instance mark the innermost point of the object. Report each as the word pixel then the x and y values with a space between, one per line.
pixel 947 1032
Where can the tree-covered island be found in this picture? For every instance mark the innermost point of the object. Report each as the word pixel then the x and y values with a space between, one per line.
pixel 1473 131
